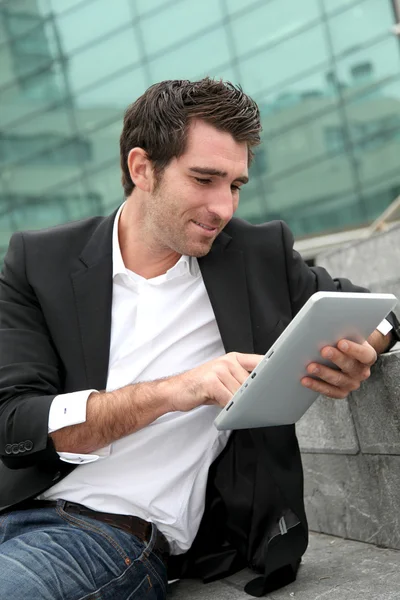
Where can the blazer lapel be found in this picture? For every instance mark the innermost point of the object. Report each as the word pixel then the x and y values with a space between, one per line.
pixel 224 276
pixel 92 285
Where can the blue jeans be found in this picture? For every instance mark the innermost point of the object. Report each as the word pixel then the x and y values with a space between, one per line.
pixel 48 554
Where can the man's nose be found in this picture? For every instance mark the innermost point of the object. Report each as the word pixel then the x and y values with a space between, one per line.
pixel 223 206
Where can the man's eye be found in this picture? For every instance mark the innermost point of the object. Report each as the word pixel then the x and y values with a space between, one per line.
pixel 202 181
pixel 235 188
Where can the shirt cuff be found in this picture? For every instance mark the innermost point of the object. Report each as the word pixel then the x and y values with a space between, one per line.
pixel 81 459
pixel 70 409
pixel 384 327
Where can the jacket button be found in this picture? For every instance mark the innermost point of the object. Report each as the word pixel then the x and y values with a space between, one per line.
pixel 21 447
pixel 15 448
pixel 8 449
pixel 28 445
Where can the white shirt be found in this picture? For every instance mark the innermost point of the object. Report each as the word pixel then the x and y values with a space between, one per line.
pixel 159 327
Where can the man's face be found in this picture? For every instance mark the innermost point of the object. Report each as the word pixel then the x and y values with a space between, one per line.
pixel 198 192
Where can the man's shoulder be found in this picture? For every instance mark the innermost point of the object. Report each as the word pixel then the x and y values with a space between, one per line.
pixel 81 228
pixel 248 235
pixel 69 237
pixel 61 246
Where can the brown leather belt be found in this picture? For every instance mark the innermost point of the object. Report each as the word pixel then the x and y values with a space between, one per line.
pixel 134 525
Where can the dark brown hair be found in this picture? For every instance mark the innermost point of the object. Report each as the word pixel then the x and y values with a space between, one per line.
pixel 158 121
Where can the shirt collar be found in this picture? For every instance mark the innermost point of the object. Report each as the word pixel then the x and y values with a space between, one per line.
pixel 186 264
pixel 118 263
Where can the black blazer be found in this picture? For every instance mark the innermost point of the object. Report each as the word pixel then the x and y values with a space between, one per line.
pixel 55 321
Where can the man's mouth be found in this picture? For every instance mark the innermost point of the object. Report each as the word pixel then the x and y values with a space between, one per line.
pixel 204 226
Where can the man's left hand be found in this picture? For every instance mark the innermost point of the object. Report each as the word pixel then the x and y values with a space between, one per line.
pixel 354 362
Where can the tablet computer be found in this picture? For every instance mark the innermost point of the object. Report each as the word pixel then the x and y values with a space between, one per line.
pixel 273 394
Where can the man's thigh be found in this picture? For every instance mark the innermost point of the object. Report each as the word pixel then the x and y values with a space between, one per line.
pixel 51 555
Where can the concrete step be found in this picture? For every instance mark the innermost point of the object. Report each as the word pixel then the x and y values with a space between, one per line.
pixel 332 568
pixel 351 458
pixel 372 262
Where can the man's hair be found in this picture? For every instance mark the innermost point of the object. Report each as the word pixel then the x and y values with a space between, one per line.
pixel 158 121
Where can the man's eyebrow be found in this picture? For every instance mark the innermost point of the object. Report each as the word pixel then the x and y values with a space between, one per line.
pixel 216 172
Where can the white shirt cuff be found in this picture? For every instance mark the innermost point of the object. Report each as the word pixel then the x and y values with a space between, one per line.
pixel 81 459
pixel 384 327
pixel 70 409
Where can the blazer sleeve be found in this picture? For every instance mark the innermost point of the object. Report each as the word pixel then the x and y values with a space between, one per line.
pixel 303 281
pixel 29 367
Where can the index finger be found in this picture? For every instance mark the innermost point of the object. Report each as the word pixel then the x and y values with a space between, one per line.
pixel 248 361
pixel 363 353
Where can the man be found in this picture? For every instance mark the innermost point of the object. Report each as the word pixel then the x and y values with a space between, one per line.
pixel 121 338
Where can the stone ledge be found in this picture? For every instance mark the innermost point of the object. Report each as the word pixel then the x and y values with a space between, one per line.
pixel 368 421
pixel 356 497
pixel 328 427
pixel 380 252
pixel 332 568
pixel 376 408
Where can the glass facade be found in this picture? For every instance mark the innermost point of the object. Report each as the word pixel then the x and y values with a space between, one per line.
pixel 326 75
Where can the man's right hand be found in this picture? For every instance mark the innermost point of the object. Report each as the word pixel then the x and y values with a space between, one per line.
pixel 215 382
pixel 111 416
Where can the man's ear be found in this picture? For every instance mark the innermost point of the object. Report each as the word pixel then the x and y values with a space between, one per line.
pixel 140 169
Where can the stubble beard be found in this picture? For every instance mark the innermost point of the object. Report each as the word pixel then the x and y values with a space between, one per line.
pixel 166 227
pixel 180 242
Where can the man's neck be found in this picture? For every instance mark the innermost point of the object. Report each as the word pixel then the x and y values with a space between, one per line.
pixel 138 254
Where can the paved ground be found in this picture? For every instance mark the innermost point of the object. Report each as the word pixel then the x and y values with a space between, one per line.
pixel 332 569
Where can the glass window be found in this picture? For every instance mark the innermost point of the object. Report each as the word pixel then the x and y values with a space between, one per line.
pixel 62 116
pixel 234 6
pixel 144 6
pixel 106 184
pixel 35 92
pixel 60 6
pixel 377 146
pixel 252 206
pixel 43 149
pixel 65 204
pixel 287 60
pixel 338 5
pixel 35 136
pixel 315 185
pixel 35 41
pixel 227 73
pixel 326 214
pixel 188 19
pixel 362 22
pixel 33 212
pixel 304 144
pixel 48 85
pixel 26 54
pixel 201 56
pixel 107 102
pixel 295 102
pixel 335 138
pixel 90 21
pixel 103 59
pixel 271 22
pixel 104 143
pixel 386 94
pixel 7 221
pixel 42 179
pixel 14 24
pixel 379 194
pixel 366 67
